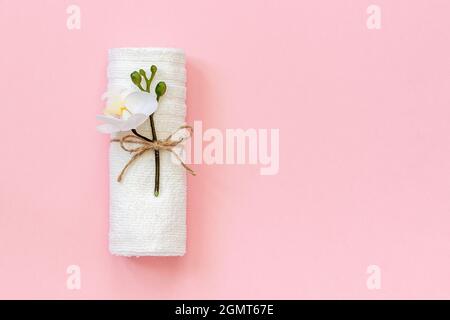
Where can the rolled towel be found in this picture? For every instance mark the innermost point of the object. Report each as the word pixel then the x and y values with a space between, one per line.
pixel 140 223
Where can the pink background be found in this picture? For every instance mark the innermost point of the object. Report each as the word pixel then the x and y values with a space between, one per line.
pixel 364 123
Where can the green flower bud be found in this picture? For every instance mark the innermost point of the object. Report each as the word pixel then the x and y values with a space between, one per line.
pixel 153 69
pixel 136 78
pixel 160 89
pixel 142 72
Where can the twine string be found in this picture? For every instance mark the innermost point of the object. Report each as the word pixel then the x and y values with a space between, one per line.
pixel 137 146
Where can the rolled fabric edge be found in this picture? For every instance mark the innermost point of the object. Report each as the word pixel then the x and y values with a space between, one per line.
pixel 172 55
pixel 137 254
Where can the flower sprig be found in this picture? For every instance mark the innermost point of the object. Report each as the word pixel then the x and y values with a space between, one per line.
pixel 137 77
pixel 127 109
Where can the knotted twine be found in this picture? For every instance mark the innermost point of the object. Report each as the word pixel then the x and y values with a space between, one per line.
pixel 143 145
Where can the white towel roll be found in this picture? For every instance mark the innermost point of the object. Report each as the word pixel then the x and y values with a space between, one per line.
pixel 140 223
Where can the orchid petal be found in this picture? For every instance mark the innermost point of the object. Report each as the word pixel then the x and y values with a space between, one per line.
pixel 107 128
pixel 133 122
pixel 110 120
pixel 141 103
pixel 115 125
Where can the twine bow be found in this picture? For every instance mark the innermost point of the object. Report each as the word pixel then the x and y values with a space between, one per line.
pixel 143 146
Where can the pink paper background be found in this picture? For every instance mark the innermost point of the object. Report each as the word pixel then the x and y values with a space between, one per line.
pixel 364 123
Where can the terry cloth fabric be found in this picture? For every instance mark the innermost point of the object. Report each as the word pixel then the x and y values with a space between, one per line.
pixel 140 223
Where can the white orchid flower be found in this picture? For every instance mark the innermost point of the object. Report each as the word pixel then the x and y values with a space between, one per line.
pixel 126 110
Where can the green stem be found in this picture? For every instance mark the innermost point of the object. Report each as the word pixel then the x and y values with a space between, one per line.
pixel 157 161
pixel 140 87
pixel 140 135
pixel 154 138
pixel 149 81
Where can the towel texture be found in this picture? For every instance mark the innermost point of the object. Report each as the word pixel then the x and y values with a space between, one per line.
pixel 140 223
